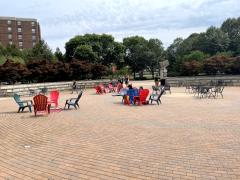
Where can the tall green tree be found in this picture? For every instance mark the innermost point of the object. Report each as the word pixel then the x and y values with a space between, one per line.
pixel 85 53
pixel 41 51
pixel 172 54
pixel 104 47
pixel 196 55
pixel 135 55
pixel 189 44
pixel 232 27
pixel 155 54
pixel 59 55
pixel 13 51
pixel 115 55
pixel 216 41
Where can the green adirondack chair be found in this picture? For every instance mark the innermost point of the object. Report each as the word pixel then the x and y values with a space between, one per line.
pixel 22 104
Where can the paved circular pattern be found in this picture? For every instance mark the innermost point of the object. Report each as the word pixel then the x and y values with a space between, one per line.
pixel 183 138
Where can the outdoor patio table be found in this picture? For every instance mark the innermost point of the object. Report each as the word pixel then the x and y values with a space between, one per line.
pixel 196 89
pixel 120 94
pixel 204 90
pixel 206 87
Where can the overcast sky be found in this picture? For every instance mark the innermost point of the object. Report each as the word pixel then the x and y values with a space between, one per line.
pixel 60 20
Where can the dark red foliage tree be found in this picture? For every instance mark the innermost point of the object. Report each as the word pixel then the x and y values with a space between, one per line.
pixel 235 68
pixel 79 69
pixel 217 64
pixel 191 68
pixel 98 70
pixel 13 72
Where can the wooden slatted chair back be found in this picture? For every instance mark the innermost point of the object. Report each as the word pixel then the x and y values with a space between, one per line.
pixel 40 102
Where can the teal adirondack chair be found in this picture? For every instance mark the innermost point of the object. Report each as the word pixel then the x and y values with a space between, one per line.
pixel 22 104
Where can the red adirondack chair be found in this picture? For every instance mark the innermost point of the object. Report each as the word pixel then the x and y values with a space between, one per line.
pixel 111 88
pixel 142 99
pixel 41 104
pixel 103 89
pixel 54 95
pixel 98 90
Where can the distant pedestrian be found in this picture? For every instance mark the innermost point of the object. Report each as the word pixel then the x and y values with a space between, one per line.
pixel 74 86
pixel 156 81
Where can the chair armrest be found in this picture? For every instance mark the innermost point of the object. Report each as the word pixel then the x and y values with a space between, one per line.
pixel 70 100
pixel 24 103
pixel 73 99
pixel 28 102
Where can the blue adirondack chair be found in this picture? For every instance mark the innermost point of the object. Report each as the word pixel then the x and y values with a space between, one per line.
pixel 22 104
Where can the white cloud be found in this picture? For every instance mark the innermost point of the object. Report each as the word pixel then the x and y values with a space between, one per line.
pixel 60 20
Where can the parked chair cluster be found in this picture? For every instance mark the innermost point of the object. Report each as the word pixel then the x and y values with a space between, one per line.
pixel 216 91
pixel 42 104
pixel 133 96
pixel 206 91
pixel 110 88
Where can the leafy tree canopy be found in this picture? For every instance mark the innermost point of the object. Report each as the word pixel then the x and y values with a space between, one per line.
pixel 85 53
pixel 104 48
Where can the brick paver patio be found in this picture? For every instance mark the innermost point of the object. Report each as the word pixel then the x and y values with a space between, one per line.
pixel 184 138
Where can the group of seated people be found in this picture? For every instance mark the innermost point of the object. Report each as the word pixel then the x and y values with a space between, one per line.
pixel 134 95
pixel 131 95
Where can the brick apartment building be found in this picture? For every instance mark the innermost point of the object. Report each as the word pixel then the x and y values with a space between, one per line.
pixel 24 33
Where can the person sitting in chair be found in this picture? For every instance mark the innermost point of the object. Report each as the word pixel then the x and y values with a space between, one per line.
pixel 129 98
pixel 136 96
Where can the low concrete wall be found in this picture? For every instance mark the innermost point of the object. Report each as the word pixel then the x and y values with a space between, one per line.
pixel 183 81
pixel 25 89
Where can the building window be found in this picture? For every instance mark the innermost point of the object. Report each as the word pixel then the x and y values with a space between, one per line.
pixel 33 31
pixel 34 43
pixel 19 30
pixel 33 38
pixel 9 36
pixel 9 29
pixel 9 22
pixel 20 37
pixel 10 42
pixel 33 23
pixel 19 23
pixel 20 44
